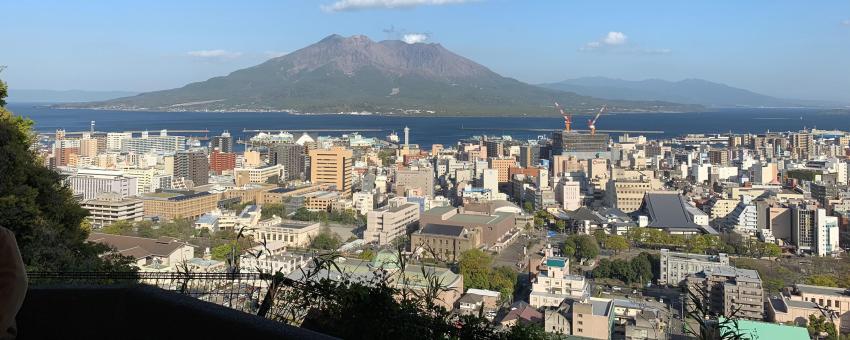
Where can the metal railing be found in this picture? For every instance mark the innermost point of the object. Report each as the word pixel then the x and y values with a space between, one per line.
pixel 241 291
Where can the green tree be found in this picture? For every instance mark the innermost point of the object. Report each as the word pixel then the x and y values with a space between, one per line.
pixel 474 265
pixel 119 228
pixel 772 250
pixel 586 248
pixel 47 221
pixel 327 240
pixel 561 225
pixel 819 324
pixel 527 206
pixel 221 252
pixel 822 280
pixel 272 209
pixel 616 243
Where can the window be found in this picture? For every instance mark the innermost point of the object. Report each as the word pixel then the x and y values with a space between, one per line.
pixel 580 330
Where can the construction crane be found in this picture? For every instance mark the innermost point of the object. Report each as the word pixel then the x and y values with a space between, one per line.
pixel 566 116
pixel 591 124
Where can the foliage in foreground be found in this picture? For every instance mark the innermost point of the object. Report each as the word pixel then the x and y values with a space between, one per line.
pixel 48 223
pixel 477 269
pixel 378 308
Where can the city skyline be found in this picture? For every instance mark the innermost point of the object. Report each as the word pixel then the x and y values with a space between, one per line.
pixel 785 49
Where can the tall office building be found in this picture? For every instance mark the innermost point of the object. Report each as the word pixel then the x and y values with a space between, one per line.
pixel 415 179
pixel 292 157
pixel 529 155
pixel 223 143
pixel 147 143
pixel 332 166
pixel 192 165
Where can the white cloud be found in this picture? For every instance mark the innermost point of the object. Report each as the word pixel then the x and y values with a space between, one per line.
pixel 615 38
pixel 611 39
pixel 846 22
pixel 214 54
pixel 412 38
pixel 618 42
pixel 353 5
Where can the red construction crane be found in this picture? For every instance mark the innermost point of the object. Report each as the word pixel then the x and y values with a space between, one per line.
pixel 566 116
pixel 592 123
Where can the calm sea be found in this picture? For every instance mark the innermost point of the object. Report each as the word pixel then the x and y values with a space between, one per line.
pixel 429 130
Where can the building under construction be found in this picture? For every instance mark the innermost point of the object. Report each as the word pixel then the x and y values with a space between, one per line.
pixel 580 145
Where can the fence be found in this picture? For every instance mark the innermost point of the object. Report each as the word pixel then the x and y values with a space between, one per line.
pixel 241 291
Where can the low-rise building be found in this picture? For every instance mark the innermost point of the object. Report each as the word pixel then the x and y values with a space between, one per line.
pixel 162 254
pixel 388 223
pixel 173 205
pixel 836 300
pixel 291 233
pixel 109 208
pixel 444 242
pixel 675 267
pixel 285 263
pixel 264 174
pixel 479 302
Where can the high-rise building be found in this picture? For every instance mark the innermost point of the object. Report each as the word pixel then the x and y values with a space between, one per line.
pixel 223 143
pixel 192 165
pixel 804 227
pixel 495 148
pixel 88 147
pixel 332 166
pixel 292 157
pixel 115 140
pixel 529 155
pixel 503 166
pixel 222 161
pixel 147 143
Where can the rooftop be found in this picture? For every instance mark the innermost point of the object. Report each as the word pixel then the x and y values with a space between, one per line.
pixel 442 229
pixel 766 330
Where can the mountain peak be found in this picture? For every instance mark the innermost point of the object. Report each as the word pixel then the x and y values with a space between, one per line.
pixel 344 74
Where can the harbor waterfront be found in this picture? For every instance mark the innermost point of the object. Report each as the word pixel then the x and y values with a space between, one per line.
pixel 433 130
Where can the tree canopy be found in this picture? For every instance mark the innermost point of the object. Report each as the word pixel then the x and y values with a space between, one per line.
pixel 48 223
pixel 477 269
pixel 581 247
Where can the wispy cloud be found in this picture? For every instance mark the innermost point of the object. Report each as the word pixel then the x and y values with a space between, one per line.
pixel 353 5
pixel 611 39
pixel 412 38
pixel 846 22
pixel 619 42
pixel 214 54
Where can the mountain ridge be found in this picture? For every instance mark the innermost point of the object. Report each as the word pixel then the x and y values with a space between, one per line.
pixel 355 74
pixel 688 91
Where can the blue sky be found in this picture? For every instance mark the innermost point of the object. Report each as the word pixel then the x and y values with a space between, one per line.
pixel 795 49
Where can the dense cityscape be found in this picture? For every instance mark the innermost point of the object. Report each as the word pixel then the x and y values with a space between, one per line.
pixel 425 169
pixel 581 233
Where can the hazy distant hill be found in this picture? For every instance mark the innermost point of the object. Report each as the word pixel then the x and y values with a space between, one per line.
pixel 67 96
pixel 339 74
pixel 691 91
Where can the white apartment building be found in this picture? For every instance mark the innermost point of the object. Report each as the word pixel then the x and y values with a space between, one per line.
pixel 147 143
pixel 826 234
pixel 115 140
pixel 364 202
pixel 554 284
pixel 675 267
pixel 387 223
pixel 91 182
pixel 109 208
